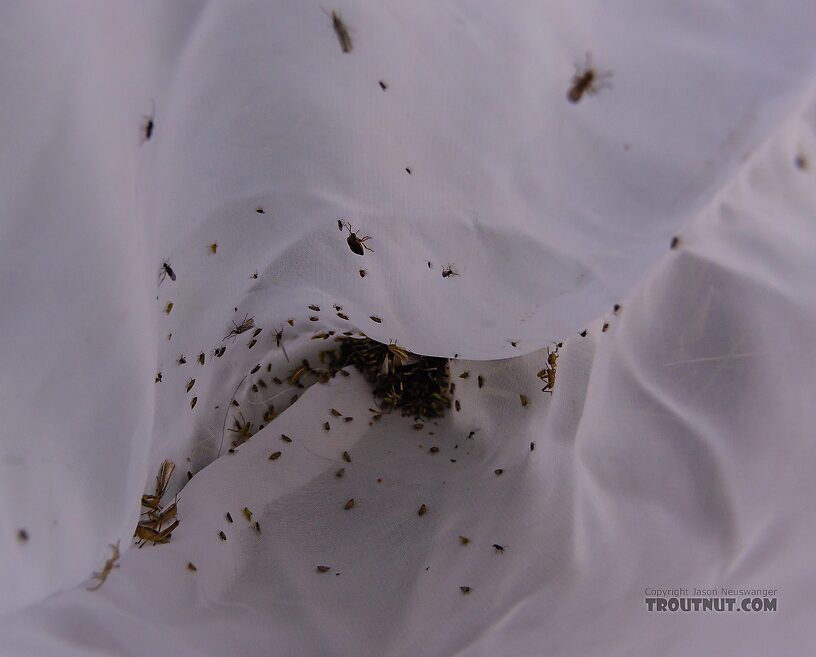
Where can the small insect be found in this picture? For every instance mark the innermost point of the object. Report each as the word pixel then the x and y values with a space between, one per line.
pixel 340 224
pixel 348 419
pixel 290 321
pixel 336 413
pixel 242 429
pixel 255 369
pixel 408 170
pixel 347 457
pixel 285 438
pixel 449 270
pixel 252 343
pixel 256 332
pixel 189 475
pixel 201 358
pixel 363 273
pixel 149 124
pixel 498 472
pixel 327 426
pixel 222 535
pixel 110 564
pixel 342 32
pixel 583 333
pixel 22 535
pixel 260 210
pixel 513 343
pixel 220 351
pixel 339 474
pixel 158 377
pixel 165 271
pixel 587 81
pixel 323 569
pixel 213 247
pixel 383 85
pixel 274 456
pixel 464 375
pixel 801 162
pixel 616 309
pixel 532 446
pixel 605 327
pixel 499 548
pixel 356 243
pixel 465 590
pixel 168 308
pixel 480 380
pixel 279 343
pixel 314 308
pixel 314 319
pixel 190 384
pixel 464 540
pixel 472 433
pixel 247 514
pixel 257 526
pixel 457 405
pixel 254 274
pixel 191 566
pixel 342 316
pixel 434 450
pixel 247 324
pixel 349 505
pixel 376 319
pixel 193 402
pixel 422 510
pixel 524 400
pixel 675 243
pixel 228 516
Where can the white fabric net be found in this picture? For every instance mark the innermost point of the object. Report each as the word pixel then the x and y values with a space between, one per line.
pixel 676 450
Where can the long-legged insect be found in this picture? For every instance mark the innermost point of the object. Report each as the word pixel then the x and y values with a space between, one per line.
pixel 587 80
pixel 548 373
pixel 110 564
pixel 356 243
pixel 236 330
pixel 279 342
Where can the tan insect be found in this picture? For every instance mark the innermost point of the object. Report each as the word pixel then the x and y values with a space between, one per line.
pixel 464 540
pixel 323 569
pixel 422 510
pixel 168 308
pixel 247 514
pixel 110 564
pixel 349 505
pixel 191 566
pixel 587 80
pixel 548 373
pixel 274 456
pixel 241 429
pixel 213 247
pixel 524 400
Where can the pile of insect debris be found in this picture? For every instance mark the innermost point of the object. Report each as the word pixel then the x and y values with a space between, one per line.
pixel 414 385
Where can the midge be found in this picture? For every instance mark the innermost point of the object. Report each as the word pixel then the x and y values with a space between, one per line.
pixel 165 271
pixel 356 243
pixel 341 31
pixel 587 80
pixel 236 330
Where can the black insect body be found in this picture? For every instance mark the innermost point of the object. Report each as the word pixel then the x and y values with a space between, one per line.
pixel 356 243
pixel 587 81
pixel 165 271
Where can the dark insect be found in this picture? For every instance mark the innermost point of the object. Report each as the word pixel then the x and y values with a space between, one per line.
pixel 383 85
pixel 480 380
pixel 363 273
pixel 340 224
pixel 801 162
pixel 201 358
pixel 254 274
pixel 408 170
pixel 339 474
pixel 675 242
pixel 374 318
pixel 279 343
pixel 148 125
pixel 285 438
pixel 449 270
pixel 323 569
pixel 193 402
pixel 223 536
pixel 605 327
pixel 342 316
pixel 422 510
pixel 260 210
pixel 464 540
pixel 434 449
pixel 257 526
pixel 356 243
pixel 247 514
pixel 349 505
pixel 587 81
pixel 252 343
pixel 255 369
pixel 327 426
pixel 347 457
pixel 335 412
pixel 498 472
pixel 165 271
pixel 158 377
pixel 189 475
pixel 236 330
pixel 256 332
pixel 464 589
pixel 513 343
pixel 314 308
pixel 532 446
pixel 616 309
pixel 583 333
pixel 22 535
pixel 191 566
pixel 498 548
pixel 228 515
pixel 314 319
pixel 274 456
pixel 457 405
pixel 341 31
pixel 464 375
pixel 190 384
